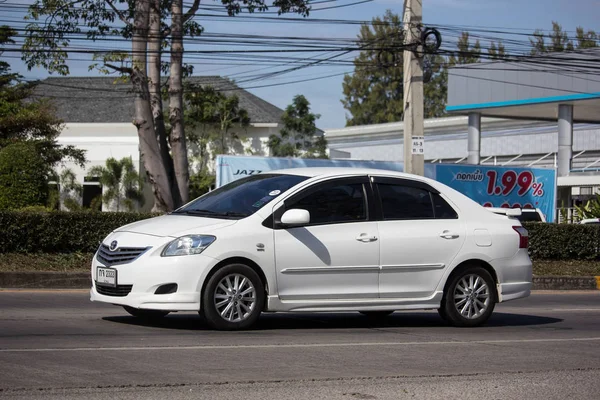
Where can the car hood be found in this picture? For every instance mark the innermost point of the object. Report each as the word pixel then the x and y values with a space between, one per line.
pixel 176 225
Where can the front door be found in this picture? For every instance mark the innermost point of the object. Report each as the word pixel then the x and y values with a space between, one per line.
pixel 420 236
pixel 335 256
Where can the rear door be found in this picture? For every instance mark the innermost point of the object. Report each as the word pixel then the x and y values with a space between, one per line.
pixel 420 234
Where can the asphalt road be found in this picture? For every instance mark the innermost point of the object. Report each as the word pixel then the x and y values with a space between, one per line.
pixel 58 345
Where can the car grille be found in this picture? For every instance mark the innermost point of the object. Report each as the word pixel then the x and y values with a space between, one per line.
pixel 122 255
pixel 118 291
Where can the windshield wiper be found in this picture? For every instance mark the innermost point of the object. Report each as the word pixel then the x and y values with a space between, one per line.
pixel 213 213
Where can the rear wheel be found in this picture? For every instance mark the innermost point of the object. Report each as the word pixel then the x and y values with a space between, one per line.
pixel 233 298
pixel 470 297
pixel 146 314
pixel 442 312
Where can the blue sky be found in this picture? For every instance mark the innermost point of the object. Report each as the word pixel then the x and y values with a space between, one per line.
pixel 325 94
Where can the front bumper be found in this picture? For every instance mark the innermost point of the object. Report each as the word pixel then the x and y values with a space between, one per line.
pixel 138 281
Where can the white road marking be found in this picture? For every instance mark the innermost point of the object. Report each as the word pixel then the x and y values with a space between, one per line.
pixel 299 345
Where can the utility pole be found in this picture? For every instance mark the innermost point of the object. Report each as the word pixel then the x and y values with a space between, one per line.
pixel 414 158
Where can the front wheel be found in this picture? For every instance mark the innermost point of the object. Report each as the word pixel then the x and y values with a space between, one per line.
pixel 469 298
pixel 233 298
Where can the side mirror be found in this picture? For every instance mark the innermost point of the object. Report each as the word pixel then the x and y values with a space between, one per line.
pixel 295 217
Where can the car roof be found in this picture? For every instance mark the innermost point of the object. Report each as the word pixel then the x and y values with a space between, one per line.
pixel 337 171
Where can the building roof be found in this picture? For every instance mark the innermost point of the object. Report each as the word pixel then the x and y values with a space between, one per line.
pixel 432 126
pixel 105 100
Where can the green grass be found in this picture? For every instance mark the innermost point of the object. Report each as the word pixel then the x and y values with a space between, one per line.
pixel 67 262
pixel 80 262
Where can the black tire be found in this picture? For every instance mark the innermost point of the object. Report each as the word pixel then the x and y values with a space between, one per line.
pixel 209 304
pixel 146 314
pixel 442 312
pixel 450 305
pixel 377 314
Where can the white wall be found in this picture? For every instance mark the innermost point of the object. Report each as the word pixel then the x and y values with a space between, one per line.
pixel 118 140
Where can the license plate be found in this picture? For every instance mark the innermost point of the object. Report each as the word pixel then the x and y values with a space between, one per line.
pixel 106 276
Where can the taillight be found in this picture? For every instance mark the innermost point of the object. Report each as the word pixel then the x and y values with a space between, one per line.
pixel 523 236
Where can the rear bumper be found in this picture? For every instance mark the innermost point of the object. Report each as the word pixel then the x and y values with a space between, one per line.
pixel 515 275
pixel 513 291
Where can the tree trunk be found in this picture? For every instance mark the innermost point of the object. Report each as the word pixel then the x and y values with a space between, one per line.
pixel 177 137
pixel 144 120
pixel 154 84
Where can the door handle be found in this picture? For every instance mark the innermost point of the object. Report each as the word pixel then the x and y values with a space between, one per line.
pixel 363 237
pixel 449 235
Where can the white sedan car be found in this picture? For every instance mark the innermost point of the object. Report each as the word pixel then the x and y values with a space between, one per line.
pixel 318 239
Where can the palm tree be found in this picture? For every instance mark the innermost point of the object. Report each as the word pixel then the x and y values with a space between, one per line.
pixel 121 184
pixel 69 190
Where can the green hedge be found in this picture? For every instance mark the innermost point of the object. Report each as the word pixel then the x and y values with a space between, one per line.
pixel 59 232
pixel 81 232
pixel 563 241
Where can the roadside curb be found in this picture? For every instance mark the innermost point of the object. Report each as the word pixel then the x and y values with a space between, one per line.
pixel 81 280
pixel 566 283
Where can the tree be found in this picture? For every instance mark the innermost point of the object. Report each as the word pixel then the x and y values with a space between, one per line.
pixel 586 40
pixel 23 119
pixel 121 184
pixel 210 120
pixel 591 209
pixel 68 191
pixel 559 41
pixel 23 177
pixel 373 93
pixel 298 137
pixel 497 53
pixel 466 53
pixel 151 26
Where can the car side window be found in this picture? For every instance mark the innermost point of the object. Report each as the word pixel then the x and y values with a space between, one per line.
pixel 442 209
pixel 404 202
pixel 334 204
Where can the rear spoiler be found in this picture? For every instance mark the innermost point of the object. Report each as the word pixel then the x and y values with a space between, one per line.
pixel 510 212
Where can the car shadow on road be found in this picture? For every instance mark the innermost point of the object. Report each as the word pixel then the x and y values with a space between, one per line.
pixel 274 321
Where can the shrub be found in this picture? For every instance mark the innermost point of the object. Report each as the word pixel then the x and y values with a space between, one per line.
pixel 59 232
pixel 23 177
pixel 33 231
pixel 563 241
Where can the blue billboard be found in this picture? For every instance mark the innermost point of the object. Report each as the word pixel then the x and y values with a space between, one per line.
pixel 490 186
pixel 503 186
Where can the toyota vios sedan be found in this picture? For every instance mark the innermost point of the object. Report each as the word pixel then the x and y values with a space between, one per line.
pixel 318 239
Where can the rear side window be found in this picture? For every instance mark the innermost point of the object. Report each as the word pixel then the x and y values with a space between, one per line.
pixel 443 210
pixel 404 202
pixel 407 202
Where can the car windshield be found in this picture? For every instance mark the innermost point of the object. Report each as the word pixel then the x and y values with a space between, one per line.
pixel 242 197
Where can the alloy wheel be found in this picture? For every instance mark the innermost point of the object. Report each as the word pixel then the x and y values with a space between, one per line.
pixel 235 298
pixel 471 296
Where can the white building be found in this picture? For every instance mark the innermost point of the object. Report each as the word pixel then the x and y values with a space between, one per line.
pixel 98 113
pixel 503 142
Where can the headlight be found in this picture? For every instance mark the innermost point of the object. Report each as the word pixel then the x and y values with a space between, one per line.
pixel 187 245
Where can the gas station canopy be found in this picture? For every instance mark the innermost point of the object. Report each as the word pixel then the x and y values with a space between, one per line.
pixel 529 87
